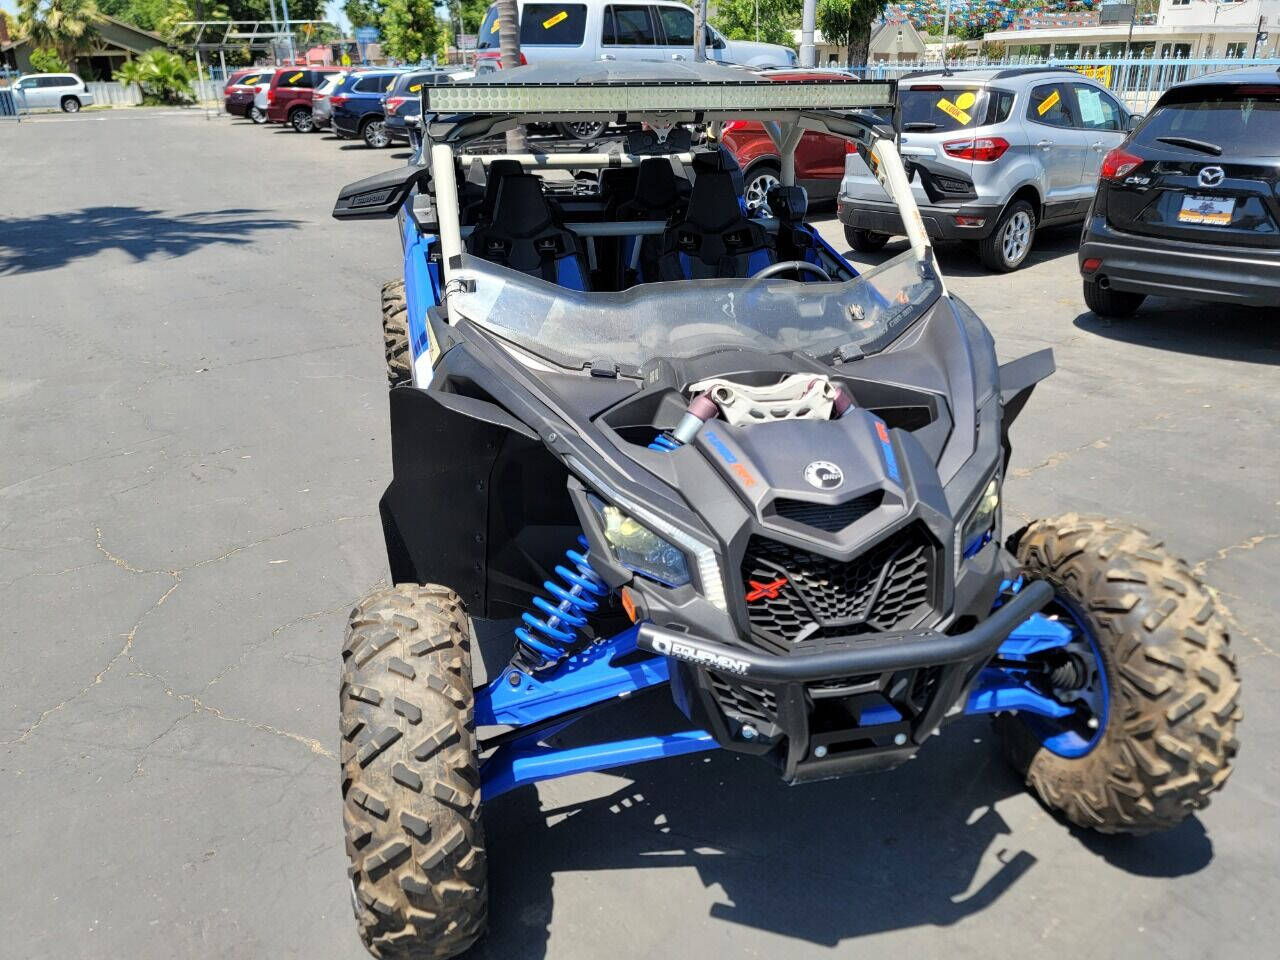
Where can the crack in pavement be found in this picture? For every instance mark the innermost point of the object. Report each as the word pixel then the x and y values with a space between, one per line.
pixel 1247 544
pixel 1061 456
pixel 127 646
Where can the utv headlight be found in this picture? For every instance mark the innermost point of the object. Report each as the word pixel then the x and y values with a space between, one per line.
pixel 977 530
pixel 639 549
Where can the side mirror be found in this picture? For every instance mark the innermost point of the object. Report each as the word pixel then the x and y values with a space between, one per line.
pixel 380 196
pixel 1133 121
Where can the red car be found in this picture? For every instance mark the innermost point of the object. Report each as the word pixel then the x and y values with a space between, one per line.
pixel 819 157
pixel 241 87
pixel 289 97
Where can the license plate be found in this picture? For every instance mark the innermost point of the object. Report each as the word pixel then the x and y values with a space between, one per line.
pixel 1206 210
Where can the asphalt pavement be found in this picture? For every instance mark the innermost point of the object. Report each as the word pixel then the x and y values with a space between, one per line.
pixel 194 438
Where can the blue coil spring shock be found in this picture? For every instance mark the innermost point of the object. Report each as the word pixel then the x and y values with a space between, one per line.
pixel 545 641
pixel 664 443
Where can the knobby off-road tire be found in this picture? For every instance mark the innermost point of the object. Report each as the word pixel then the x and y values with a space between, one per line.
pixel 1173 690
pixel 410 781
pixel 395 332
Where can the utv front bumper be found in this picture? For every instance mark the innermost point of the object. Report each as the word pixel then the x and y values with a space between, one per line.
pixel 835 706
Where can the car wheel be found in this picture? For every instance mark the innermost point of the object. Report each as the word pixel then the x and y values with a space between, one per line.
pixel 1011 240
pixel 1106 302
pixel 301 120
pixel 584 130
pixel 865 241
pixel 70 105
pixel 759 180
pixel 257 114
pixel 375 134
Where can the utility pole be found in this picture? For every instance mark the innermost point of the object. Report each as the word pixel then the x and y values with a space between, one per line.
pixel 700 31
pixel 293 56
pixel 275 35
pixel 509 46
pixel 946 32
pixel 808 20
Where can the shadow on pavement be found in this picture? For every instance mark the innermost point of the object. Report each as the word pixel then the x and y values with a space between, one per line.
pixel 823 863
pixel 53 240
pixel 959 259
pixel 1203 329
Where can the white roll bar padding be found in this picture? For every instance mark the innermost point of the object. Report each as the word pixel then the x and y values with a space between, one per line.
pixel 629 228
pixel 572 161
pixel 893 177
pixel 445 185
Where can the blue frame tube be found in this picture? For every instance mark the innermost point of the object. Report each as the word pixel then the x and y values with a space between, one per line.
pixel 514 765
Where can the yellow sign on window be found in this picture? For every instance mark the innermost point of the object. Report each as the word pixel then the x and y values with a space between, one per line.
pixel 966 100
pixel 496 24
pixel 296 77
pixel 954 112
pixel 1100 73
pixel 550 22
pixel 415 88
pixel 1050 102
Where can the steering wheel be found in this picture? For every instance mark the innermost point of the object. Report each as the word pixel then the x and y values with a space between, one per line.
pixel 783 266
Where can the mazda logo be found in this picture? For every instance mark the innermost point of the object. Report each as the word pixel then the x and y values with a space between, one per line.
pixel 1211 176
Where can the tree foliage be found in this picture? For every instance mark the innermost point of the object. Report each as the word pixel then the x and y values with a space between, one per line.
pixel 411 31
pixel 44 60
pixel 163 76
pixel 472 13
pixel 736 19
pixel 67 27
pixel 363 13
pixel 847 23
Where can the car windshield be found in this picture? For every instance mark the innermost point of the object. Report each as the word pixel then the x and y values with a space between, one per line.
pixel 685 319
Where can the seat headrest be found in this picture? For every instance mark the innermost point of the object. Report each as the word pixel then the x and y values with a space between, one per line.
pixel 499 170
pixel 656 183
pixel 713 206
pixel 789 204
pixel 520 209
pixel 718 160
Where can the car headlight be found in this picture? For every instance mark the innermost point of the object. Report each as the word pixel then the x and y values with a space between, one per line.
pixel 639 549
pixel 978 529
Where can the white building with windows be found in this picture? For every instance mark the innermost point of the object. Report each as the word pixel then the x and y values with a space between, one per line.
pixel 1183 28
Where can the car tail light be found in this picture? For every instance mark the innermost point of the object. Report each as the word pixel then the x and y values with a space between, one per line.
pixel 984 149
pixel 496 58
pixel 1119 162
pixel 394 104
pixel 1091 265
pixel 850 147
pixel 337 101
pixel 966 221
pixel 271 95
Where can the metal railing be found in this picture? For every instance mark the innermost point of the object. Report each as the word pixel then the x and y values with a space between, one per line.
pixel 1137 81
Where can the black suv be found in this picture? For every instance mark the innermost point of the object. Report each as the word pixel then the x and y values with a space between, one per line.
pixel 1189 205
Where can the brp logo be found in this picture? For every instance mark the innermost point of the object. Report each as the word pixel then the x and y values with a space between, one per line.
pixel 824 475
pixel 1211 176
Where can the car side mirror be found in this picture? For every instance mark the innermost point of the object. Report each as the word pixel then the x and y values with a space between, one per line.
pixel 1133 121
pixel 380 196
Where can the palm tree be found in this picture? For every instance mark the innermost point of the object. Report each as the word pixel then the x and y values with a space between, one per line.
pixel 69 27
pixel 162 75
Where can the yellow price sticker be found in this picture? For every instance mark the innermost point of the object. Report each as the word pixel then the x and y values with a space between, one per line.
pixel 550 22
pixel 496 25
pixel 391 83
pixel 1049 103
pixel 415 88
pixel 296 77
pixel 951 110
pixel 250 81
pixel 966 100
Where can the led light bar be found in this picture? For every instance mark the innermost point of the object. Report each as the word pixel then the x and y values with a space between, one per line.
pixel 615 98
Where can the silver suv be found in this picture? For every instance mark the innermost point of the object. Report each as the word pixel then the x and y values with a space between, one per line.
pixel 992 156
pixel 64 91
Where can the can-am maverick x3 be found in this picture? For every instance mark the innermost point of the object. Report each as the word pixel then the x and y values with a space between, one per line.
pixel 699 451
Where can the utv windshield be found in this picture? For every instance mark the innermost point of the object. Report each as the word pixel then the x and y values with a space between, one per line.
pixel 685 319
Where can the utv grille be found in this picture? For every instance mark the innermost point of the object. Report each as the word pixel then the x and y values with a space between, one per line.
pixel 832 519
pixel 743 701
pixel 885 587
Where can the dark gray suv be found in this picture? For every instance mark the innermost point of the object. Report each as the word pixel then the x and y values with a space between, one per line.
pixel 993 155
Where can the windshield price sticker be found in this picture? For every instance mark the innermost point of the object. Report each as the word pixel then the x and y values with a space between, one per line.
pixel 296 77
pixel 496 25
pixel 550 22
pixel 415 88
pixel 1050 102
pixel 954 112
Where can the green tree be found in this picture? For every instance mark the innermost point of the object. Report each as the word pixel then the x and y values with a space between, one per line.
pixel 991 50
pixel 163 76
pixel 736 19
pixel 472 12
pixel 11 25
pixel 44 60
pixel 68 27
pixel 363 13
pixel 847 23
pixel 411 30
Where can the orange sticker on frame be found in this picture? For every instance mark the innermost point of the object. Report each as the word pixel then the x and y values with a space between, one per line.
pixel 1049 103
pixel 550 22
